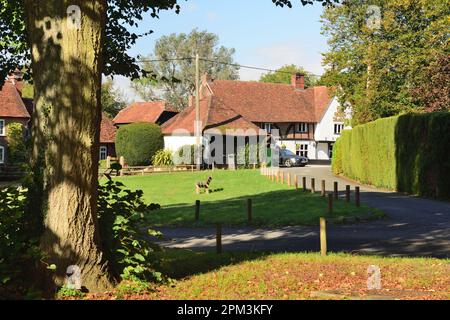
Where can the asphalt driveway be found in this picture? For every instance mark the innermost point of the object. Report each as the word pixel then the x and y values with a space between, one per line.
pixel 414 227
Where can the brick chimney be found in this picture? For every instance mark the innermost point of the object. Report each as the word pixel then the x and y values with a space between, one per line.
pixel 298 81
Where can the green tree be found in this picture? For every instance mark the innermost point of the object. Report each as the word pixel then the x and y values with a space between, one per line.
pixel 377 69
pixel 67 60
pixel 175 79
pixel 112 99
pixel 283 75
pixel 17 147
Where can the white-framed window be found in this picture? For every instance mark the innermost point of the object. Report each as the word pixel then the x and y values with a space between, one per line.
pixel 338 128
pixel 302 150
pixel 302 127
pixel 2 154
pixel 103 152
pixel 2 127
pixel 268 127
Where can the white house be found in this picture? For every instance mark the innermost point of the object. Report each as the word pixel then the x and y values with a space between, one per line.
pixel 307 119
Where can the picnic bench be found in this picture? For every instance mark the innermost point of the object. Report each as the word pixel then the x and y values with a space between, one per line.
pixel 203 185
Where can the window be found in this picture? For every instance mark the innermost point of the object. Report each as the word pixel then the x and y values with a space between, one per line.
pixel 268 127
pixel 2 127
pixel 302 150
pixel 330 150
pixel 2 154
pixel 103 152
pixel 338 128
pixel 302 127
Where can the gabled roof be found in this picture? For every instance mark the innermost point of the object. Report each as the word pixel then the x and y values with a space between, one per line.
pixel 230 104
pixel 142 112
pixel 11 103
pixel 107 130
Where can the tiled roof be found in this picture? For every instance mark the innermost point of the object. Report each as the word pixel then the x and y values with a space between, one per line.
pixel 11 103
pixel 107 130
pixel 239 104
pixel 142 112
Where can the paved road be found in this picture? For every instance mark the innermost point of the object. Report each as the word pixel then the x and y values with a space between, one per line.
pixel 415 227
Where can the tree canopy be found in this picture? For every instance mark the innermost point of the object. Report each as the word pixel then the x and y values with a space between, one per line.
pixel 283 75
pixel 173 66
pixel 377 69
pixel 112 99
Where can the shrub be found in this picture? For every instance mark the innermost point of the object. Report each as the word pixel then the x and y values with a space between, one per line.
pixel 121 215
pixel 139 142
pixel 17 147
pixel 162 158
pixel 408 153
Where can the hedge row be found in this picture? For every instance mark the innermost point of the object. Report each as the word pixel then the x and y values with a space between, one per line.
pixel 408 153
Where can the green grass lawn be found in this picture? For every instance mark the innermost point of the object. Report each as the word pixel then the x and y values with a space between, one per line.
pixel 289 276
pixel 273 204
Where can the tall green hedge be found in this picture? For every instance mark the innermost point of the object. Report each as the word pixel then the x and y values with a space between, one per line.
pixel 138 143
pixel 408 153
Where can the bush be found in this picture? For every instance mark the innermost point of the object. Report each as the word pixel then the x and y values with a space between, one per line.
pixel 121 215
pixel 19 237
pixel 162 158
pixel 17 147
pixel 408 153
pixel 139 142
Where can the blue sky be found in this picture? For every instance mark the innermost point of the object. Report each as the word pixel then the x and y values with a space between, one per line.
pixel 263 35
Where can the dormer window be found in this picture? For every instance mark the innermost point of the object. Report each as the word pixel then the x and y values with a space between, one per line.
pixel 302 127
pixel 2 128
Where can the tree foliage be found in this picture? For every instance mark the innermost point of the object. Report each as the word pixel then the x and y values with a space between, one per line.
pixel 113 99
pixel 377 69
pixel 283 75
pixel 18 152
pixel 175 79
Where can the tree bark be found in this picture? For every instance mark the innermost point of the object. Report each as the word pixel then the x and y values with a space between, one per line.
pixel 67 64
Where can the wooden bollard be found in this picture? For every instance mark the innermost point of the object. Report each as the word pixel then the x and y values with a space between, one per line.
pixel 278 177
pixel 313 185
pixel 323 237
pixel 197 210
pixel 249 210
pixel 336 190
pixel 330 204
pixel 323 192
pixel 108 162
pixel 296 182
pixel 357 199
pixel 282 178
pixel 347 193
pixel 304 184
pixel 289 180
pixel 219 238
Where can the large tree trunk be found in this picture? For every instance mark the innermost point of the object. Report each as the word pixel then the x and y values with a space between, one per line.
pixel 67 64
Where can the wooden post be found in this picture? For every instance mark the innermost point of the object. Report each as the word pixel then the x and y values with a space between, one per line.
pixel 122 163
pixel 336 190
pixel 278 177
pixel 304 184
pixel 289 179
pixel 219 238
pixel 282 178
pixel 323 188
pixel 357 199
pixel 323 237
pixel 330 204
pixel 313 185
pixel 347 193
pixel 249 210
pixel 108 162
pixel 296 182
pixel 197 210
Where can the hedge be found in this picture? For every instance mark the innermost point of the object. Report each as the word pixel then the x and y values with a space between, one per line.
pixel 138 143
pixel 408 153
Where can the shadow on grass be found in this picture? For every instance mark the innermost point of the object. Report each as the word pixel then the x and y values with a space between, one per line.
pixel 276 208
pixel 178 263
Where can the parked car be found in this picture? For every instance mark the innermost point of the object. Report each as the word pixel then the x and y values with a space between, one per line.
pixel 290 159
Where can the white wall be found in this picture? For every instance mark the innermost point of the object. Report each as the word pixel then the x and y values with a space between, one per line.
pixel 173 143
pixel 325 128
